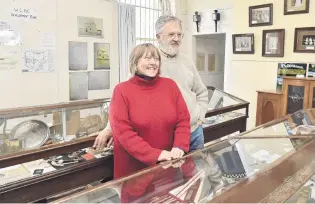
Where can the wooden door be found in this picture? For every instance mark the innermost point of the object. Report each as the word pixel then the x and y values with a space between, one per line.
pixel 269 107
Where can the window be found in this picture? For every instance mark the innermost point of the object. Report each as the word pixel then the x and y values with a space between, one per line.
pixel 147 12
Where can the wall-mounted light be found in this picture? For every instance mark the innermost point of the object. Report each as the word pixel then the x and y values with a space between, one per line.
pixel 197 19
pixel 216 18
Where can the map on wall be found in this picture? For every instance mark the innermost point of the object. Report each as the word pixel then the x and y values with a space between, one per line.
pixel 38 60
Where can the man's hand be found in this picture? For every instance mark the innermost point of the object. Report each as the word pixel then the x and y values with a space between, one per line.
pixel 200 122
pixel 165 156
pixel 177 153
pixel 105 138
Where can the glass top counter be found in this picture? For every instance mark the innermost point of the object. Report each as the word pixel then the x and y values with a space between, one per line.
pixel 225 171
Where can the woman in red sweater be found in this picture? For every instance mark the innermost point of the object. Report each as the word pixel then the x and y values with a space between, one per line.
pixel 148 116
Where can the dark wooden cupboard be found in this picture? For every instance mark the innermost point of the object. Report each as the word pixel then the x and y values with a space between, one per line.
pixel 296 94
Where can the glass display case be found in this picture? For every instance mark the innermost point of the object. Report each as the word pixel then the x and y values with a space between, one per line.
pixel 50 144
pixel 226 114
pixel 274 162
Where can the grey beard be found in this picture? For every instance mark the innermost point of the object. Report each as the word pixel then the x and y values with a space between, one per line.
pixel 169 50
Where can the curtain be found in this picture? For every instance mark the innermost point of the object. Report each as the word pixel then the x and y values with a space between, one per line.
pixel 127 37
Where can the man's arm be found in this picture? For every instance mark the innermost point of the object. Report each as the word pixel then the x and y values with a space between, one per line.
pixel 201 93
pixel 105 137
pixel 108 128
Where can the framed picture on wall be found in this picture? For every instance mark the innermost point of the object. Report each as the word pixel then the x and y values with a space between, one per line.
pixel 304 40
pixel 261 15
pixel 243 43
pixel 296 6
pixel 273 43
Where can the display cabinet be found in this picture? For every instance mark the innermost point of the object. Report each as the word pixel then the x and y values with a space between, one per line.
pixel 271 163
pixel 226 114
pixel 46 150
pixel 296 94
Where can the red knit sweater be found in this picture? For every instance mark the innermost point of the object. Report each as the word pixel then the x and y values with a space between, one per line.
pixel 146 117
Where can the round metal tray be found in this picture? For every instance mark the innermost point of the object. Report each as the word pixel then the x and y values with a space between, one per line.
pixel 33 133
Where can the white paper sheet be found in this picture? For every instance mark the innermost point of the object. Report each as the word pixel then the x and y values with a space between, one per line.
pixel 78 85
pixel 23 13
pixel 48 40
pixel 38 164
pixel 264 155
pixel 9 58
pixel 38 60
pixel 13 173
pixel 8 35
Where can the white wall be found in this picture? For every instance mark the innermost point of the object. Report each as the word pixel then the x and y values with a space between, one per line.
pixel 212 44
pixel 207 27
pixel 67 17
pixel 254 72
pixel 245 74
pixel 58 16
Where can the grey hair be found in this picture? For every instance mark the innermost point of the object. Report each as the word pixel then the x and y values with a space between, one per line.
pixel 162 20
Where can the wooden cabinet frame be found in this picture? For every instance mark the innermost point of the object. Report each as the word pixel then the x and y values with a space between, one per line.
pixel 279 99
pixel 294 82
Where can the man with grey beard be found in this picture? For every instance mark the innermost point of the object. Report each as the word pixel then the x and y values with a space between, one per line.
pixel 182 70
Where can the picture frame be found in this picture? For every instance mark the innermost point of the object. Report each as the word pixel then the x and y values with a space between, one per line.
pixel 261 15
pixel 296 6
pixel 243 43
pixel 304 40
pixel 273 43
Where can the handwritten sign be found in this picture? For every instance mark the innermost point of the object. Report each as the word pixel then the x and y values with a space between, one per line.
pixel 23 13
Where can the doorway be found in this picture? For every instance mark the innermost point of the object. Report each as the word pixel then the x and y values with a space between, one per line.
pixel 210 58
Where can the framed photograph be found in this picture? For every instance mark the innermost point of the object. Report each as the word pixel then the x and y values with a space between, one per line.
pixel 101 56
pixel 273 43
pixel 296 6
pixel 304 40
pixel 260 15
pixel 243 43
pixel 90 27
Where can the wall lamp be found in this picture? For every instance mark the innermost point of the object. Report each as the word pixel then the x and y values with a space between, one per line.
pixel 197 19
pixel 216 18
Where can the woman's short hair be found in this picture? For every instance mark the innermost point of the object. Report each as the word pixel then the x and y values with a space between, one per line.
pixel 139 51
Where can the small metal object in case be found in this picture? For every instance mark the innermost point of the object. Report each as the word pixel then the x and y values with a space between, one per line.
pixel 34 133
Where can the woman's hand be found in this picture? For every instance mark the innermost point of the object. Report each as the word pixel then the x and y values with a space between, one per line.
pixel 177 153
pixel 165 156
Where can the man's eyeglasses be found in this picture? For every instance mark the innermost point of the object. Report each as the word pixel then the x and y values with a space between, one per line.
pixel 173 35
